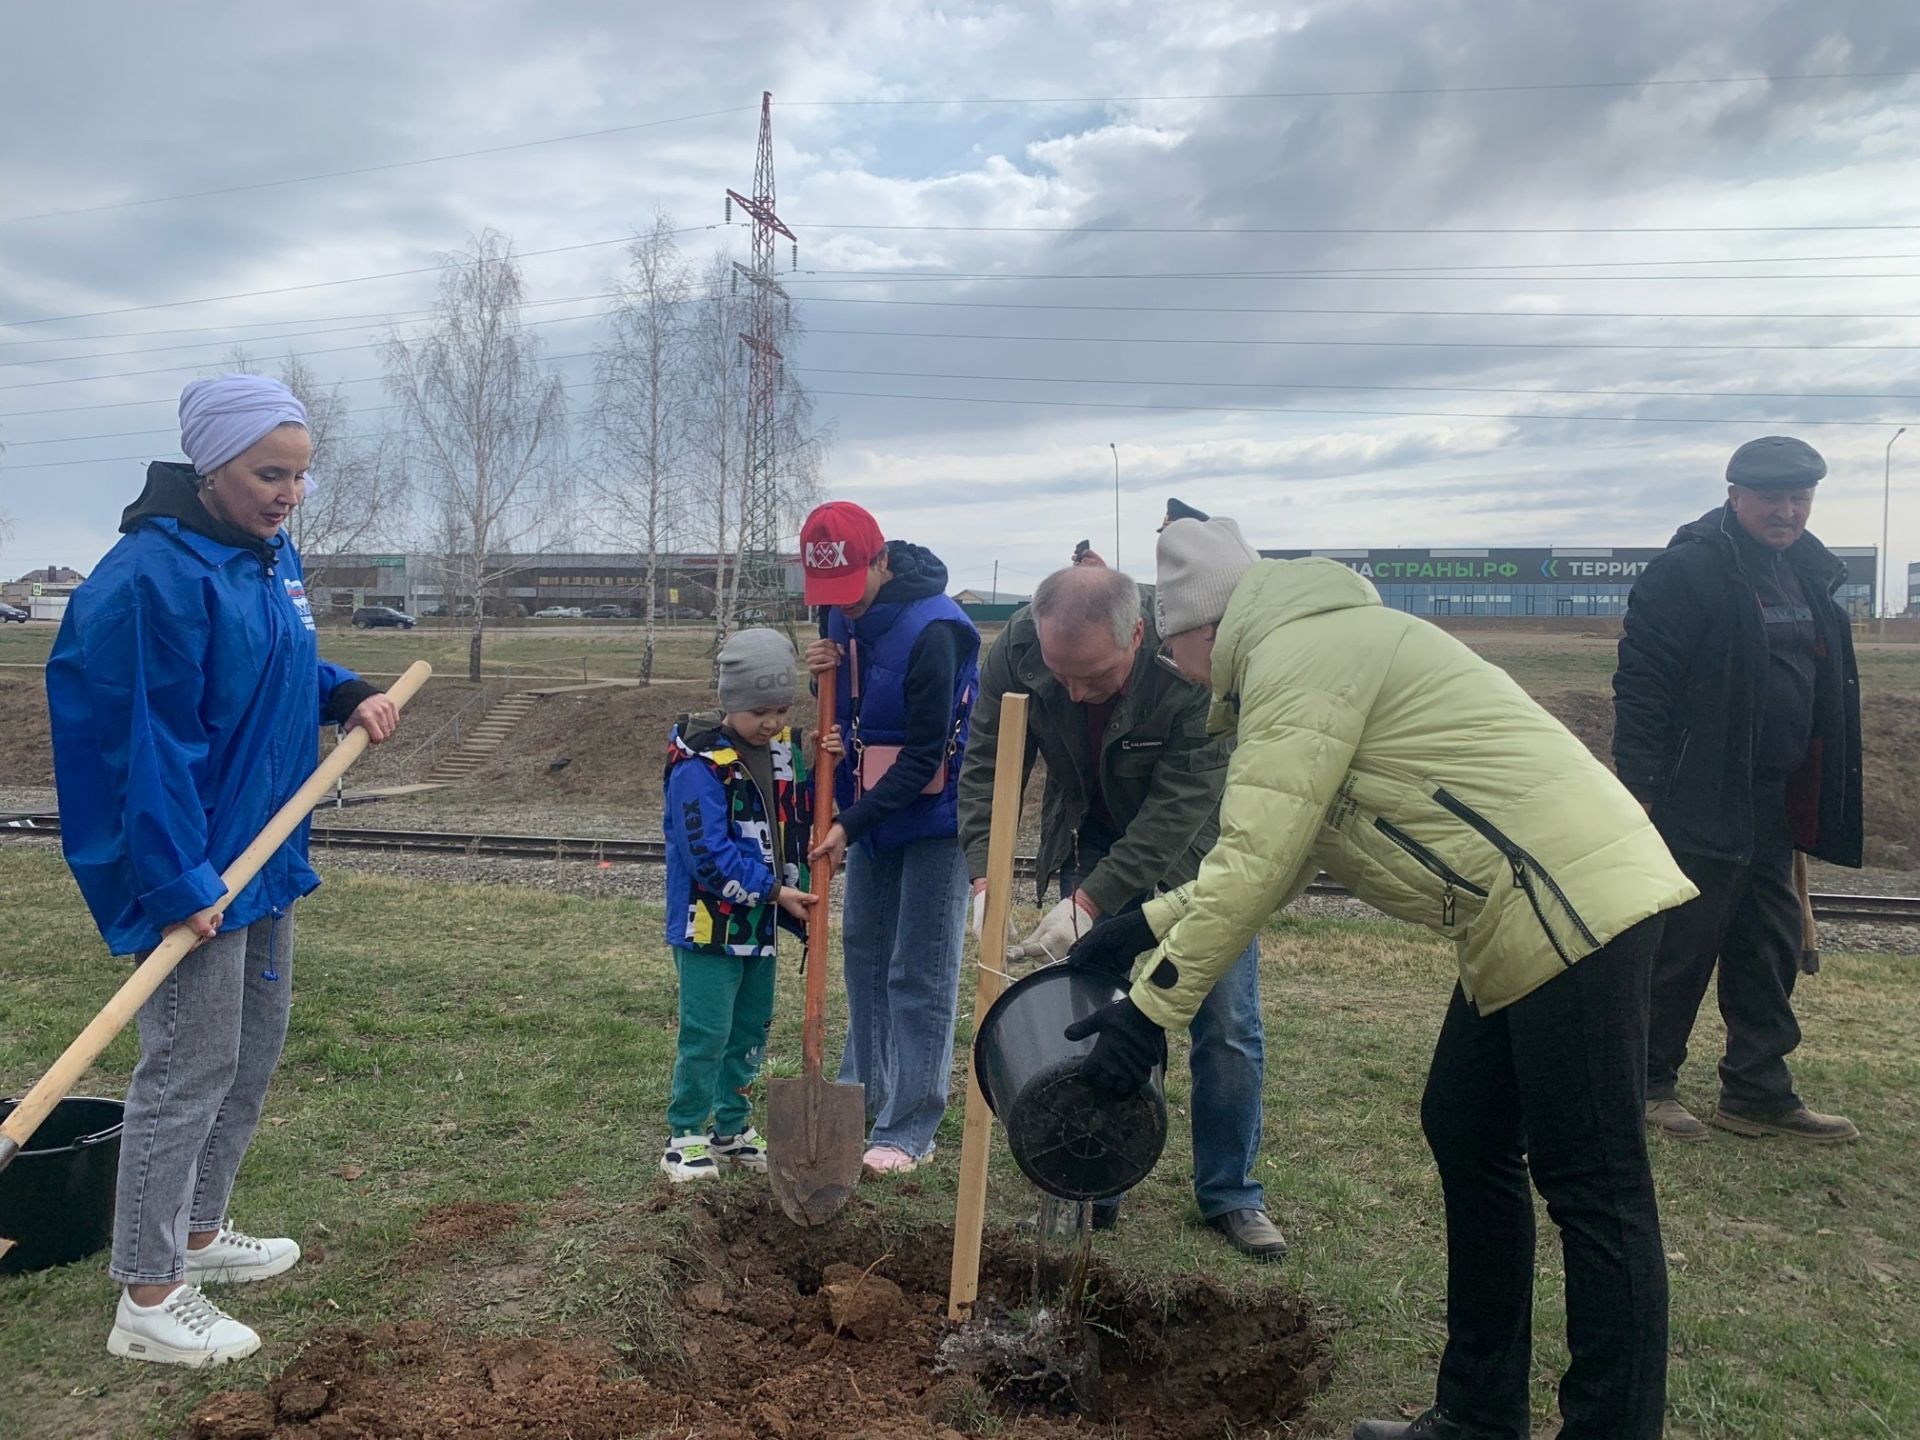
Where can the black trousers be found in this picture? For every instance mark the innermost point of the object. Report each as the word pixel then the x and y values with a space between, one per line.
pixel 1553 1085
pixel 1747 918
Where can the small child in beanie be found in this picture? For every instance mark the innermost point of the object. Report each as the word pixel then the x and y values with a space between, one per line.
pixel 738 811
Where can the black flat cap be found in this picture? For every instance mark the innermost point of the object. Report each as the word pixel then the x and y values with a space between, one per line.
pixel 1775 462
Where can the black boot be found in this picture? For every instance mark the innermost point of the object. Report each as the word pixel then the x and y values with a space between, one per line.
pixel 1434 1425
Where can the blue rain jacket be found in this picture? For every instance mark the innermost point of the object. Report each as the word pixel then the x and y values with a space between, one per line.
pixel 186 692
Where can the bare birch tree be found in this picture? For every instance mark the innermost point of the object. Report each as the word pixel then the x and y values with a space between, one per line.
pixel 485 425
pixel 357 479
pixel 717 418
pixel 640 425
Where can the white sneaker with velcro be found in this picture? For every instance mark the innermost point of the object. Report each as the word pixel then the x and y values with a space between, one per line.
pixel 184 1329
pixel 234 1258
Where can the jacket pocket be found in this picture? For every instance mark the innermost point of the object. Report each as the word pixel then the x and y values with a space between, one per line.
pixel 1452 879
pixel 1528 875
pixel 1679 760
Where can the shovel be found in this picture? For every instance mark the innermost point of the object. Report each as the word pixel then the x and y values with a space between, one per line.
pixel 179 941
pixel 816 1128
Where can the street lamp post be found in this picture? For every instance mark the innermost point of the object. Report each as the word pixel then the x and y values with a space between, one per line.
pixel 1116 503
pixel 1886 509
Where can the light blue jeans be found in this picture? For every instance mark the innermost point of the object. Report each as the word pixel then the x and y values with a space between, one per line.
pixel 906 919
pixel 210 1039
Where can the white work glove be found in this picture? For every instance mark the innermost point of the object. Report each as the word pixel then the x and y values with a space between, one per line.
pixel 979 911
pixel 1064 924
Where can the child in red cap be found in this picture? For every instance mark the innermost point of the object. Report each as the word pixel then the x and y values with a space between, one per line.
pixel 908 663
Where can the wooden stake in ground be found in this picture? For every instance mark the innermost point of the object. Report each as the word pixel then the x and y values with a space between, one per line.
pixel 180 941
pixel 963 1285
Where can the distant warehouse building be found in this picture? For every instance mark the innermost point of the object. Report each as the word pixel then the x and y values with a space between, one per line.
pixel 1553 582
pixel 419 585
pixel 1913 587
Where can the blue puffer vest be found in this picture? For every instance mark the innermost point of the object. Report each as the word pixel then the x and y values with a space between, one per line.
pixel 885 636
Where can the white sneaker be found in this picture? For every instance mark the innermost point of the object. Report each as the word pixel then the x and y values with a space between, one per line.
pixel 689 1157
pixel 746 1150
pixel 184 1329
pixel 234 1258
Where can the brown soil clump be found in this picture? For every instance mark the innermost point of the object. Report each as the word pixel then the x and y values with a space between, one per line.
pixel 810 1335
pixel 464 1223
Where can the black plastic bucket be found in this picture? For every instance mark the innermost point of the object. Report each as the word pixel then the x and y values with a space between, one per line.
pixel 56 1199
pixel 1066 1137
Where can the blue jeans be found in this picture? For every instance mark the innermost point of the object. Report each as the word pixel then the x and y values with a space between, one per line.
pixel 1228 1062
pixel 906 917
pixel 210 1039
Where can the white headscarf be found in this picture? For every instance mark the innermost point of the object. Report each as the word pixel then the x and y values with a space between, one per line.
pixel 229 414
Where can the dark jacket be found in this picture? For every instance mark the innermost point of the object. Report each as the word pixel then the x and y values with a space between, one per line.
pixel 186 693
pixel 1159 771
pixel 723 877
pixel 1688 698
pixel 918 676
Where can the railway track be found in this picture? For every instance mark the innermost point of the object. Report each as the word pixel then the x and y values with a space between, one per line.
pixel 1853 909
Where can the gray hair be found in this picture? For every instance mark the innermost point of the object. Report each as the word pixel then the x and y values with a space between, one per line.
pixel 1083 596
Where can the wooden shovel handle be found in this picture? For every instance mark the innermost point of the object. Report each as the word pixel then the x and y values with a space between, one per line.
pixel 813 1029
pixel 179 941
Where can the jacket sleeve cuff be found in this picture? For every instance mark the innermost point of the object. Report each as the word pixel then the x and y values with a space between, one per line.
pixel 189 895
pixel 1163 911
pixel 1155 1003
pixel 347 697
pixel 1110 895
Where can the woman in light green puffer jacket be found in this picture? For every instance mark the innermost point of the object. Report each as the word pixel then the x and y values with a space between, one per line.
pixel 1376 746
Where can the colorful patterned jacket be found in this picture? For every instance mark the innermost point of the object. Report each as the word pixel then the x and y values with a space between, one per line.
pixel 721 870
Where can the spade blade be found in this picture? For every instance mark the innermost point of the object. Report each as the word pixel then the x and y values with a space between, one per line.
pixel 816 1136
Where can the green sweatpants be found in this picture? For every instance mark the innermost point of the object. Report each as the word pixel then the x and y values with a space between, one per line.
pixel 726 1005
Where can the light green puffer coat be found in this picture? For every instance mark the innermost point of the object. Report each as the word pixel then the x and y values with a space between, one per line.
pixel 1378 747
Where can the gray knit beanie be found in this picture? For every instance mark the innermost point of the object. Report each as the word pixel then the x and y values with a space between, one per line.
pixel 756 672
pixel 1199 563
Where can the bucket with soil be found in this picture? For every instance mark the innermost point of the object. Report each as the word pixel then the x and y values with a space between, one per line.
pixel 1067 1137
pixel 56 1198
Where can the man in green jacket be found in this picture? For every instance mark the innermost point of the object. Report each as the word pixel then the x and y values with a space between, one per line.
pixel 1132 791
pixel 1374 745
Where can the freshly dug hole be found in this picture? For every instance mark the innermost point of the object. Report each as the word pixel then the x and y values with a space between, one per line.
pixel 769 1320
pixel 1187 1362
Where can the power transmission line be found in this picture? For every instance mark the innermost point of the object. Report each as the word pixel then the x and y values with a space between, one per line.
pixel 1378 92
pixel 1355 229
pixel 1385 91
pixel 1354 387
pixel 1330 344
pixel 369 169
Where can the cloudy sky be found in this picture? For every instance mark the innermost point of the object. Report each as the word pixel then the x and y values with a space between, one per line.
pixel 1406 272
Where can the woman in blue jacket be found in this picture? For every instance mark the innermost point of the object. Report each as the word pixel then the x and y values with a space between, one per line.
pixel 187 692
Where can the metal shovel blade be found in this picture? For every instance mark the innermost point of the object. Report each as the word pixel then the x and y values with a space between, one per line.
pixel 816 1136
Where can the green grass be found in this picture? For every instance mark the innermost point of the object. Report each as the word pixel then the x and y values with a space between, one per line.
pixel 497 1045
pixel 611 651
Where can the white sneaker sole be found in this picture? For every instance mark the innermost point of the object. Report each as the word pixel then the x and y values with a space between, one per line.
pixel 682 1177
pixel 128 1346
pixel 240 1274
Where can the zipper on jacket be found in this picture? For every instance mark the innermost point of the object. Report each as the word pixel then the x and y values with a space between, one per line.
pixel 1525 868
pixel 1445 873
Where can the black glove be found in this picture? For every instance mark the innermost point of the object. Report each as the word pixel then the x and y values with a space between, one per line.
pixel 1111 947
pixel 1128 1047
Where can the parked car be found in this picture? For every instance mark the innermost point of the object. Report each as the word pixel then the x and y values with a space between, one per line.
pixel 381 617
pixel 607 612
pixel 12 613
pixel 559 612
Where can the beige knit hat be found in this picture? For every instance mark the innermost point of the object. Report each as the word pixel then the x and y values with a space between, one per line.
pixel 1199 563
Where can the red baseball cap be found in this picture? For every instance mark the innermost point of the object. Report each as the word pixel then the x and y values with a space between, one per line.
pixel 837 546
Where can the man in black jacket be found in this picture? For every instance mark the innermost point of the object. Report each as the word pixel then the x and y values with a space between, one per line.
pixel 1737 724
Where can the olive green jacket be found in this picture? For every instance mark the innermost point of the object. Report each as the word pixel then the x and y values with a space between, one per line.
pixel 1159 770
pixel 1377 746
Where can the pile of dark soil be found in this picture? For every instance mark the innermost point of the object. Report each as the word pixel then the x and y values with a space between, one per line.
pixel 806 1335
